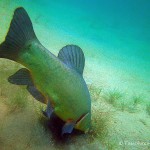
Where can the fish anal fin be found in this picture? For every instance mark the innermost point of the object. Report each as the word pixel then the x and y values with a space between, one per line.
pixel 49 110
pixel 36 93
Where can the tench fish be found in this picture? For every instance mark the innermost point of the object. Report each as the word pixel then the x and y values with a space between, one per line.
pixel 55 81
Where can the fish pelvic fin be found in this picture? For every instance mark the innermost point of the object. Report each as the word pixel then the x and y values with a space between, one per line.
pixel 19 34
pixel 49 110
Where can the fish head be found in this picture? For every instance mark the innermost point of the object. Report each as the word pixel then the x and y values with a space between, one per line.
pixel 84 122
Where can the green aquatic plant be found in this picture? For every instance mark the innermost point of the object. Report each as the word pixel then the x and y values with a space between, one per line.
pixel 135 104
pixel 143 122
pixel 123 105
pixel 148 109
pixel 95 92
pixel 121 102
pixel 113 97
pixel 100 124
pixel 137 100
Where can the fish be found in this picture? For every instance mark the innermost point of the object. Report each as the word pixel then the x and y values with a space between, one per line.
pixel 56 81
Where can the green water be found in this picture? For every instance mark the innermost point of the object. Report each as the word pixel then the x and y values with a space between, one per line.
pixel 114 35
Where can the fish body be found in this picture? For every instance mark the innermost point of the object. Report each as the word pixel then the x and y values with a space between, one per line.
pixel 65 87
pixel 55 81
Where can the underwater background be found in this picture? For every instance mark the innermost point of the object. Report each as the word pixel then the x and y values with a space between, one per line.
pixel 115 38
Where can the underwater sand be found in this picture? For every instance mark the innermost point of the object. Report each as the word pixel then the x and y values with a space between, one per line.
pixel 115 39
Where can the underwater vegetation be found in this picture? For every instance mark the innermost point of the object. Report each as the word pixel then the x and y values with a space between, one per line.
pixel 148 109
pixel 120 101
pixel 21 120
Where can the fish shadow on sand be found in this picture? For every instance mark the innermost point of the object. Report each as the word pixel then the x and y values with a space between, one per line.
pixel 54 127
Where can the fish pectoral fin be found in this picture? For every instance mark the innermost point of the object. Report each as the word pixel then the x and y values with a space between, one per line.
pixel 68 127
pixel 49 110
pixel 73 57
pixel 21 77
pixel 36 93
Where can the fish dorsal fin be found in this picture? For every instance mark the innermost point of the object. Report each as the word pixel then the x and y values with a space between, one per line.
pixel 21 77
pixel 73 56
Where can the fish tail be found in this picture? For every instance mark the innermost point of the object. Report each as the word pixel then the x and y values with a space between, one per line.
pixel 20 33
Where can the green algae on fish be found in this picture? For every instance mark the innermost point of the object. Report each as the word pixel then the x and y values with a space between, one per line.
pixel 55 81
